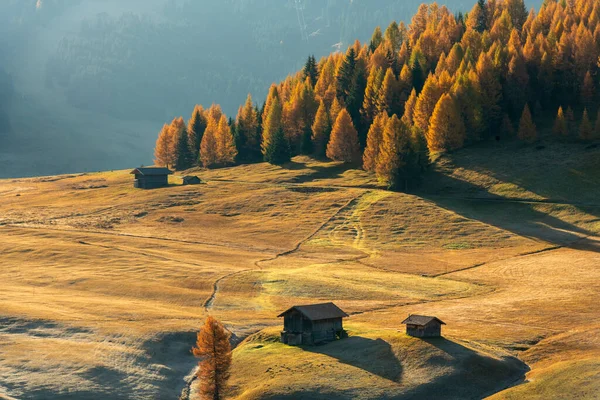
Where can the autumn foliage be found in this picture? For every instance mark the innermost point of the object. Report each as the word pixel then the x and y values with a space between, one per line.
pixel 343 145
pixel 450 79
pixel 214 350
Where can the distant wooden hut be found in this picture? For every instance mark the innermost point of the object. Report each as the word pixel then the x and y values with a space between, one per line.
pixel 423 326
pixel 151 177
pixel 191 180
pixel 312 324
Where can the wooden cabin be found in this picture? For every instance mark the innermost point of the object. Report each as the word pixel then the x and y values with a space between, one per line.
pixel 151 177
pixel 312 324
pixel 191 180
pixel 423 326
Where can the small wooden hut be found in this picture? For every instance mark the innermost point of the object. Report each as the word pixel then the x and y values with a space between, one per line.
pixel 191 180
pixel 312 324
pixel 423 326
pixel 151 177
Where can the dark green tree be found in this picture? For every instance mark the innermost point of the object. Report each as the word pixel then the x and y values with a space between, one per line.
pixel 311 71
pixel 183 155
pixel 482 17
pixel 278 152
pixel 195 130
pixel 346 75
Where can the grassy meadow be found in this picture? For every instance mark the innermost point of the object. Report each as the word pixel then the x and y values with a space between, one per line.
pixel 103 286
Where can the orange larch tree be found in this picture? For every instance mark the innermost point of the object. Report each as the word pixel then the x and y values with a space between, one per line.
pixel 343 144
pixel 209 148
pixel 272 122
pixel 426 102
pixel 393 151
pixel 162 150
pixel 321 129
pixel 446 129
pixel 213 347
pixel 560 124
pixel 226 150
pixel 374 140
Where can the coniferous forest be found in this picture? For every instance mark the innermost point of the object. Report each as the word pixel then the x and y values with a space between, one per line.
pixel 444 81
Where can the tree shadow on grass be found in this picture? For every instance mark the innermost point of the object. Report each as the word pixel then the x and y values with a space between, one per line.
pixel 331 170
pixel 456 372
pixel 372 355
pixel 474 375
pixel 520 217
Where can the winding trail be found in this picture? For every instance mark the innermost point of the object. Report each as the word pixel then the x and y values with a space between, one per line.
pixel 208 303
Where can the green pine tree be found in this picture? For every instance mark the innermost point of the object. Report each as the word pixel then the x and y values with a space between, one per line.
pixel 345 77
pixel 311 70
pixel 278 151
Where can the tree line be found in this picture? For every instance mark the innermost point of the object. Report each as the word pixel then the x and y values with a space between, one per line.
pixel 443 82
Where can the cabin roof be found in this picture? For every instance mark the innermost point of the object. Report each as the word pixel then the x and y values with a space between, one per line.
pixel 317 312
pixel 421 320
pixel 151 171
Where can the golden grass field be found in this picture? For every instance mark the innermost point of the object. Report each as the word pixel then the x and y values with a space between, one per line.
pixel 103 286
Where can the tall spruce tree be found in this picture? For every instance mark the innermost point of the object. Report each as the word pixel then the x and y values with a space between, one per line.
pixel 346 76
pixel 247 132
pixel 311 71
pixel 195 130
pixel 481 16
pixel 183 155
pixel 278 151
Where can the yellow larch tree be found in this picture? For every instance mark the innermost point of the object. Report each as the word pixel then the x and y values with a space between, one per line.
pixel 343 144
pixel 321 129
pixel 394 146
pixel 226 150
pixel 446 129
pixel 209 148
pixel 527 129
pixel 271 122
pixel 560 124
pixel 374 140
pixel 426 102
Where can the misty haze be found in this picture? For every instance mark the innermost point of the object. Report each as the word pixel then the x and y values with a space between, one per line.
pixel 86 85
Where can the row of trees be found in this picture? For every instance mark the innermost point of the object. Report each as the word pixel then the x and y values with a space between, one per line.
pixel 441 83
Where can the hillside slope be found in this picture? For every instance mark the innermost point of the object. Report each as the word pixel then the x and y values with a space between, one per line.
pixel 103 285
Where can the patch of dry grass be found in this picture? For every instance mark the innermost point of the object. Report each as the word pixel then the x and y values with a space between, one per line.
pixel 104 285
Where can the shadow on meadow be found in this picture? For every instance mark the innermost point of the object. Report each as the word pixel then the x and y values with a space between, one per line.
pixel 538 196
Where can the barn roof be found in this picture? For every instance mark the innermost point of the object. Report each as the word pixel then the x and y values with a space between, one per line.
pixel 421 320
pixel 150 171
pixel 317 312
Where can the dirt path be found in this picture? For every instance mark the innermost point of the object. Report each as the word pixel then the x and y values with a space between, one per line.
pixel 216 285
